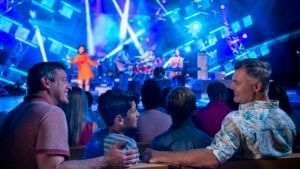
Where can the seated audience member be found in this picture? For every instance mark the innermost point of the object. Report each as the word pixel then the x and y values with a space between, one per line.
pixel 230 102
pixel 165 91
pixel 79 127
pixel 132 131
pixel 209 118
pixel 93 115
pixel 119 112
pixel 259 129
pixel 152 122
pixel 34 134
pixel 278 92
pixel 182 135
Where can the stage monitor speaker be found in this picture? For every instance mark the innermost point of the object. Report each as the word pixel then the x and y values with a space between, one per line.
pixel 202 64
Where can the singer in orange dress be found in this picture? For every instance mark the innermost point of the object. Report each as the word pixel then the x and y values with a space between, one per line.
pixel 84 63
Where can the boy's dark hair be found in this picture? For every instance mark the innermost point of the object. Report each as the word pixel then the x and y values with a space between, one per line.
pixel 114 102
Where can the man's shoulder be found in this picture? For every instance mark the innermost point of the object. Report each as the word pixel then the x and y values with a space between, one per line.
pixel 42 106
pixel 36 107
pixel 234 114
pixel 154 113
pixel 115 136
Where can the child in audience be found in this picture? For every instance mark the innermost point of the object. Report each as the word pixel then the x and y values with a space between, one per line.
pixel 182 135
pixel 119 112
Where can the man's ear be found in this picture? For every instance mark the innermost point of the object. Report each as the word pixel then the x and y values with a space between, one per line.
pixel 45 82
pixel 257 87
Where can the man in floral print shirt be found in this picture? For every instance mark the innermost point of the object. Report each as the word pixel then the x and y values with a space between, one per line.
pixel 259 129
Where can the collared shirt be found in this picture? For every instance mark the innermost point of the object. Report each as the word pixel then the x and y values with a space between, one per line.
pixel 185 137
pixel 258 129
pixel 36 126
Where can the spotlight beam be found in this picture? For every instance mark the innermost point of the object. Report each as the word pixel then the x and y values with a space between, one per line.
pixel 90 40
pixel 130 31
pixel 119 47
pixel 124 21
pixel 161 6
pixel 40 41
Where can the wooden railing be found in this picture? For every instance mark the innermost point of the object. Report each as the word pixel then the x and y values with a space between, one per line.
pixel 289 162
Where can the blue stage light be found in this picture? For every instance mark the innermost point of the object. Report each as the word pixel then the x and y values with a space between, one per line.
pixel 195 28
pixel 5 25
pixel 252 54
pixel 187 49
pixel 247 21
pixel 48 3
pixel 67 10
pixel 22 33
pixel 236 27
pixel 55 47
pixel 264 50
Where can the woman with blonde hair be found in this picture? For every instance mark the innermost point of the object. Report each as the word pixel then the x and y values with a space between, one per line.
pixel 80 127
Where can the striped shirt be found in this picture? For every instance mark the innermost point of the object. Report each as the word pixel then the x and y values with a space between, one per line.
pixel 101 141
pixel 113 138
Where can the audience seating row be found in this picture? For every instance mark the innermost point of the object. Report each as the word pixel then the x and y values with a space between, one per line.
pixel 289 162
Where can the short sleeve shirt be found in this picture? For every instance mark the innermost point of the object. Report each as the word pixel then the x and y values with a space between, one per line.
pixel 34 127
pixel 258 129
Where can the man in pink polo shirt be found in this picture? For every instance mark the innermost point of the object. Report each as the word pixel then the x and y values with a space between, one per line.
pixel 34 134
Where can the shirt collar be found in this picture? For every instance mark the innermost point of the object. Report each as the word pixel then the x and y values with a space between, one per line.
pixel 260 105
pixel 36 97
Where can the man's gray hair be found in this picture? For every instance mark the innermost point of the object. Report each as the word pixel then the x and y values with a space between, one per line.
pixel 257 69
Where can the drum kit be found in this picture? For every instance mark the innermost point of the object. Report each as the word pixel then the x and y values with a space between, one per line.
pixel 142 66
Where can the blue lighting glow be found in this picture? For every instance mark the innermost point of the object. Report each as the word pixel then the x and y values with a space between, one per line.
pixel 174 15
pixel 6 81
pixel 45 5
pixel 187 49
pixel 214 68
pixel 195 28
pixel 247 21
pixel 48 3
pixel 22 33
pixel 55 47
pixel 67 10
pixel 264 50
pixel 252 54
pixel 18 71
pixel 5 25
pixel 236 27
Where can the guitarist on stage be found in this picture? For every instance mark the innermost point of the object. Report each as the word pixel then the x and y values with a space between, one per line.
pixel 123 63
pixel 175 64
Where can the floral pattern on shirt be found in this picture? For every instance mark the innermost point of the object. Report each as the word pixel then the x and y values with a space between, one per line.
pixel 258 129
